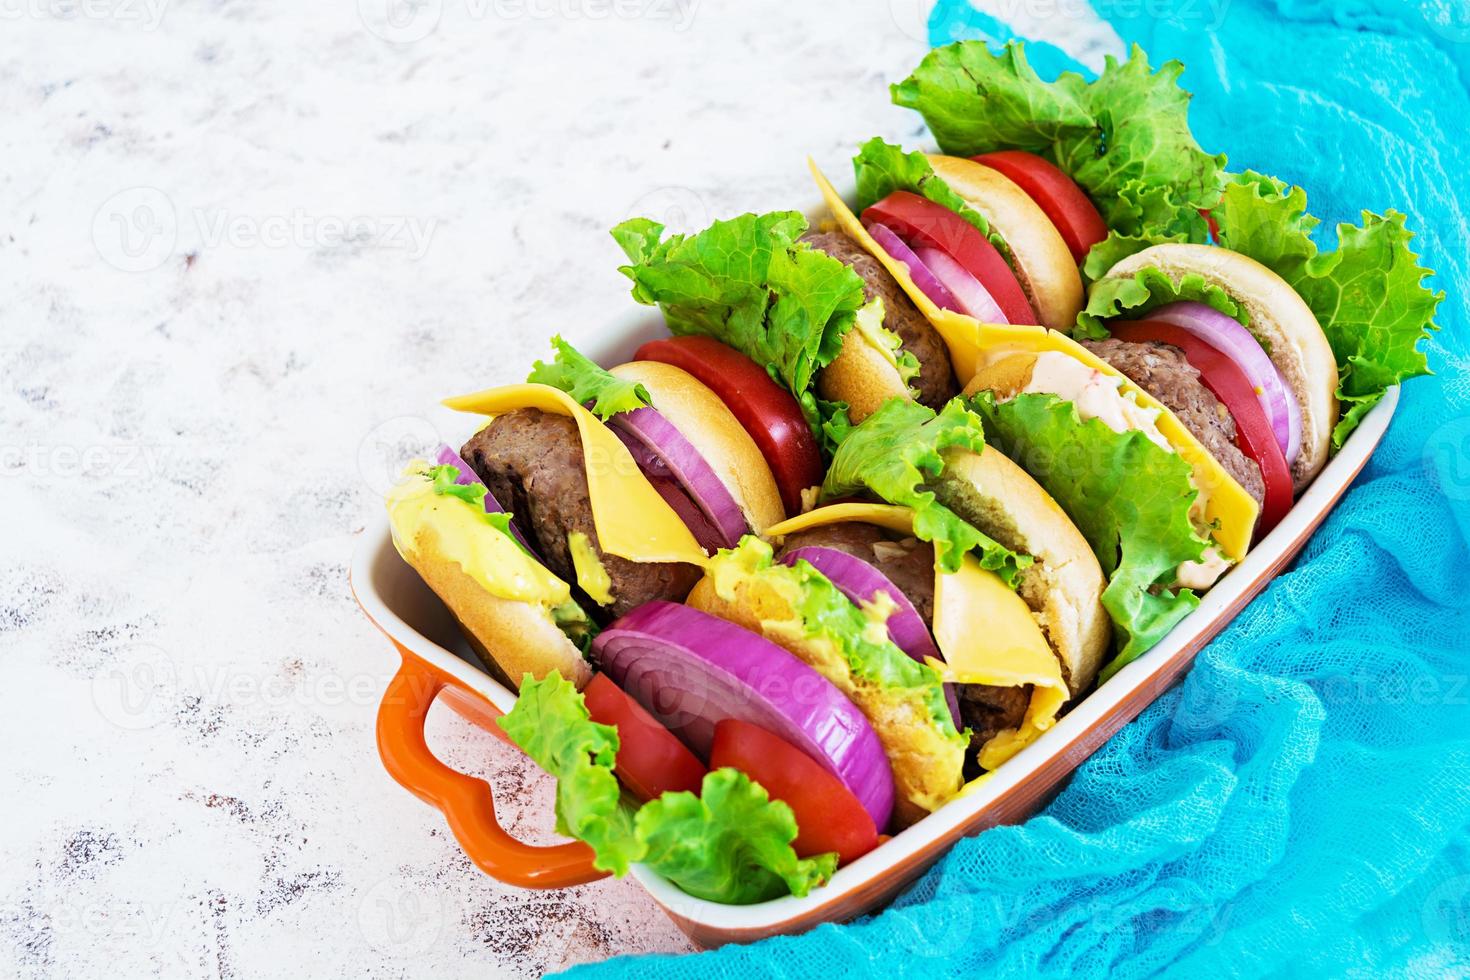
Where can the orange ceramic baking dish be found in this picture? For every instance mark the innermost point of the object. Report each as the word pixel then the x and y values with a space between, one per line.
pixel 438 664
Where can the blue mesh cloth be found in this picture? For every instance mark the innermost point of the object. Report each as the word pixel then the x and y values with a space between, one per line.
pixel 1301 804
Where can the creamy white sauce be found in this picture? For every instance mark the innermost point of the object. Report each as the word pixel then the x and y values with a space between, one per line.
pixel 1200 575
pixel 1099 396
pixel 1096 395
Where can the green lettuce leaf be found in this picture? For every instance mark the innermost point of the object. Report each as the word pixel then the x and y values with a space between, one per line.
pixel 1368 294
pixel 588 382
pixel 825 611
pixel 749 283
pixel 1123 137
pixel 729 844
pixel 1147 289
pixel 1089 469
pixel 882 168
pixel 551 725
pixel 894 453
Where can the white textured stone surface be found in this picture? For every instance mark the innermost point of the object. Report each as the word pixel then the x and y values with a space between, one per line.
pixel 203 354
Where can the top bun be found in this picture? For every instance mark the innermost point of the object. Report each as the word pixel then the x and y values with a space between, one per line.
pixel 703 419
pixel 1064 586
pixel 1043 263
pixel 1280 318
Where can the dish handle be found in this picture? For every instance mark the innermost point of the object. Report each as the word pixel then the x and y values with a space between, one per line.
pixel 466 802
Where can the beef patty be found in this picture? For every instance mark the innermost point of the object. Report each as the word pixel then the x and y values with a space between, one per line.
pixel 909 565
pixel 1162 371
pixel 935 383
pixel 532 462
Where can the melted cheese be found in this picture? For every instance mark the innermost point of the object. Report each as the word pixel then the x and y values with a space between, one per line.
pixel 455 530
pixel 985 630
pixel 972 344
pixel 633 522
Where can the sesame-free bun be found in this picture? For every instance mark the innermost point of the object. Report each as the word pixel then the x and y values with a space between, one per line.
pixel 703 419
pixel 512 638
pixel 862 377
pixel 1064 586
pixel 1280 318
pixel 1043 263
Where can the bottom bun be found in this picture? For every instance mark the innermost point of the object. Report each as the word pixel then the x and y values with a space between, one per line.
pixel 1064 586
pixel 862 377
pixel 512 638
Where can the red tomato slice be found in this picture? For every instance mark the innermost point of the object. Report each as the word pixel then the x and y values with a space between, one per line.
pixel 1228 383
pixel 919 221
pixel 651 760
pixel 828 816
pixel 767 411
pixel 1055 193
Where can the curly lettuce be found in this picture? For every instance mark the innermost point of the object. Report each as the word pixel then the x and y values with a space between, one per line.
pixel 1368 294
pixel 750 283
pixel 1130 498
pixel 730 844
pixel 894 453
pixel 1124 137
pixel 588 382
pixel 882 168
pixel 551 725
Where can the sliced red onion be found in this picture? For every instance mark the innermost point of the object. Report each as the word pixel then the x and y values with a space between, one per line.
pixel 671 490
pixel 860 581
pixel 1235 341
pixel 973 298
pixel 923 278
pixel 467 477
pixel 678 458
pixel 692 670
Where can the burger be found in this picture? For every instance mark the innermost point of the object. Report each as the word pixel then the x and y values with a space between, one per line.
pixel 989 601
pixel 592 492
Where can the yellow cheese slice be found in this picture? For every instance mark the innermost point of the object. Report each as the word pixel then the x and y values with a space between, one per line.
pixel 984 629
pixel 457 531
pixel 1227 506
pixel 899 520
pixel 633 521
pixel 988 636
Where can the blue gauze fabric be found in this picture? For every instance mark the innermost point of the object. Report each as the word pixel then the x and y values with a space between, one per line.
pixel 1300 806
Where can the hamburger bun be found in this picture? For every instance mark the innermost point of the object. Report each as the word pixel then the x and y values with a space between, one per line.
pixel 512 638
pixel 1280 319
pixel 1042 262
pixel 704 420
pixel 862 377
pixel 1064 587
